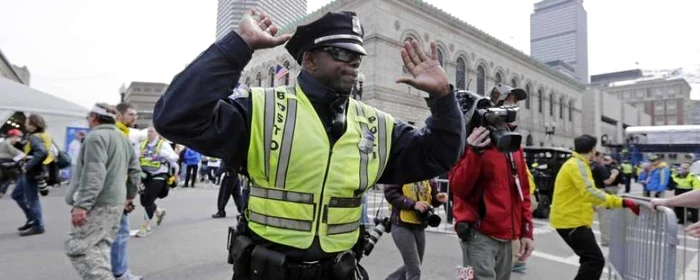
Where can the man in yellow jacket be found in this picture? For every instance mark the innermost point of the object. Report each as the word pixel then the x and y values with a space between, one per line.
pixel 575 195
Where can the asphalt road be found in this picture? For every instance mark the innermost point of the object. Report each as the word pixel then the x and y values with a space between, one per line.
pixel 191 245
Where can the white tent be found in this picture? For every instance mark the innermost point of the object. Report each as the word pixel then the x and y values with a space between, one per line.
pixel 58 113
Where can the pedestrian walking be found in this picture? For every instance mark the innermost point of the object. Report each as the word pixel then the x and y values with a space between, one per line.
pixel 126 118
pixel 192 160
pixel 35 172
pixel 572 214
pixel 627 174
pixel 10 157
pixel 230 187
pixel 303 212
pixel 156 159
pixel 411 206
pixel 97 193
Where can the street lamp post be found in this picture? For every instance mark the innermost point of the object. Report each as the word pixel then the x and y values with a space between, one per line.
pixel 357 92
pixel 122 92
pixel 549 131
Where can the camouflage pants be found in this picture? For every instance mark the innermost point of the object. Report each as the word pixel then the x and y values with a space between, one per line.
pixel 89 245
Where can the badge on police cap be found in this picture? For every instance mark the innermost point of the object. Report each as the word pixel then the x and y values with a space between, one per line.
pixel 356 27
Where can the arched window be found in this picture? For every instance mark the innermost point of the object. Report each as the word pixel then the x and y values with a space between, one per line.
pixel 286 76
pixel 514 83
pixel 561 108
pixel 539 101
pixel 480 80
pixel 258 79
pixel 272 75
pixel 498 78
pixel 529 96
pixel 247 81
pixel 571 110
pixel 529 141
pixel 551 104
pixel 441 57
pixel 461 75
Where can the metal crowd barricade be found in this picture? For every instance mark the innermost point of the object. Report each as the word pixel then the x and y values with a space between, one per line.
pixel 688 259
pixel 643 247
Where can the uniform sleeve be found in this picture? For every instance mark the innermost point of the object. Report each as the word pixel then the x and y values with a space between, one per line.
pixel 434 190
pixel 195 110
pixel 583 179
pixel 420 154
pixel 92 178
pixel 464 175
pixel 694 182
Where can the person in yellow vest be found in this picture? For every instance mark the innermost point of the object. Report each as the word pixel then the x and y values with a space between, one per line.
pixel 309 150
pixel 575 194
pixel 38 155
pixel 410 205
pixel 685 182
pixel 627 174
pixel 157 160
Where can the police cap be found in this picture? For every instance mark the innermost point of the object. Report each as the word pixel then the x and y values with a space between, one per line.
pixel 339 29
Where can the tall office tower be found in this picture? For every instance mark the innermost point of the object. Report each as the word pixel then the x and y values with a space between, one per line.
pixel 559 32
pixel 282 12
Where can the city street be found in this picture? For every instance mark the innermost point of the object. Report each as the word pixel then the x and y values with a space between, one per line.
pixel 191 245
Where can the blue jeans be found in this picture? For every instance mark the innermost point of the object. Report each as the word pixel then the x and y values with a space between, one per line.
pixel 26 193
pixel 4 185
pixel 118 254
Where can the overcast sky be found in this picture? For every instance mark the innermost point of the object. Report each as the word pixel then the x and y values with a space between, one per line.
pixel 84 50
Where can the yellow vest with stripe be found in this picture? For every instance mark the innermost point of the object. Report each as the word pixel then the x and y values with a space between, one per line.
pixel 48 143
pixel 146 160
pixel 689 182
pixel 626 168
pixel 302 186
pixel 418 191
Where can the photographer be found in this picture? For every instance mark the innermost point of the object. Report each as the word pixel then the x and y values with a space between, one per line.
pixel 492 199
pixel 412 205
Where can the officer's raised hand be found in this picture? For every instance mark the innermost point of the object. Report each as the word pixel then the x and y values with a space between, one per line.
pixel 427 73
pixel 257 30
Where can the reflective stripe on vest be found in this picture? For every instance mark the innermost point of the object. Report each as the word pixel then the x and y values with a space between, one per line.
pixel 48 143
pixel 323 197
pixel 146 161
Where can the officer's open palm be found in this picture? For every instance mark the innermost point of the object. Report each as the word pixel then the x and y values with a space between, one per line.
pixel 258 31
pixel 427 73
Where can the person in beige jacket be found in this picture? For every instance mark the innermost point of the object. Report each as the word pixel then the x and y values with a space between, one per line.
pixel 97 193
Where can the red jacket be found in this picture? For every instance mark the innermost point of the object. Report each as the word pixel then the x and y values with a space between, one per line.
pixel 487 175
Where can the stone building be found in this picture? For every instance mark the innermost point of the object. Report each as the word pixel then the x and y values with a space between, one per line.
pixel 143 96
pixel 473 60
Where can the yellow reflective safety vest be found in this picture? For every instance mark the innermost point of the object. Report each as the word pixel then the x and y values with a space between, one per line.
pixel 302 186
pixel 418 191
pixel 575 195
pixel 48 143
pixel 148 160
pixel 626 168
pixel 689 182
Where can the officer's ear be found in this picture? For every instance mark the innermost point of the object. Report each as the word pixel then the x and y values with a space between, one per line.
pixel 309 62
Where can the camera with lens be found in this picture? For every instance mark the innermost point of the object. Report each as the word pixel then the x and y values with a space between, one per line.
pixel 429 218
pixel 481 111
pixel 381 225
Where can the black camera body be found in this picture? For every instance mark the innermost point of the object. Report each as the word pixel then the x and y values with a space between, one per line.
pixel 479 111
pixel 429 218
pixel 381 225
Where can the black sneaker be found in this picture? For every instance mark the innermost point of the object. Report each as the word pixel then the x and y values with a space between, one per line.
pixel 26 226
pixel 219 215
pixel 31 231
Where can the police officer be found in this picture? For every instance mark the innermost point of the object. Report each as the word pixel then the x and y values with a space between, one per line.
pixel 685 182
pixel 309 151
pixel 627 174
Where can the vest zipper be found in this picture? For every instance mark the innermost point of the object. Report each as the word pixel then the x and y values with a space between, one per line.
pixel 323 187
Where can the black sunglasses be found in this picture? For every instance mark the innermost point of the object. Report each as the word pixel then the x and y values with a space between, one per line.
pixel 342 54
